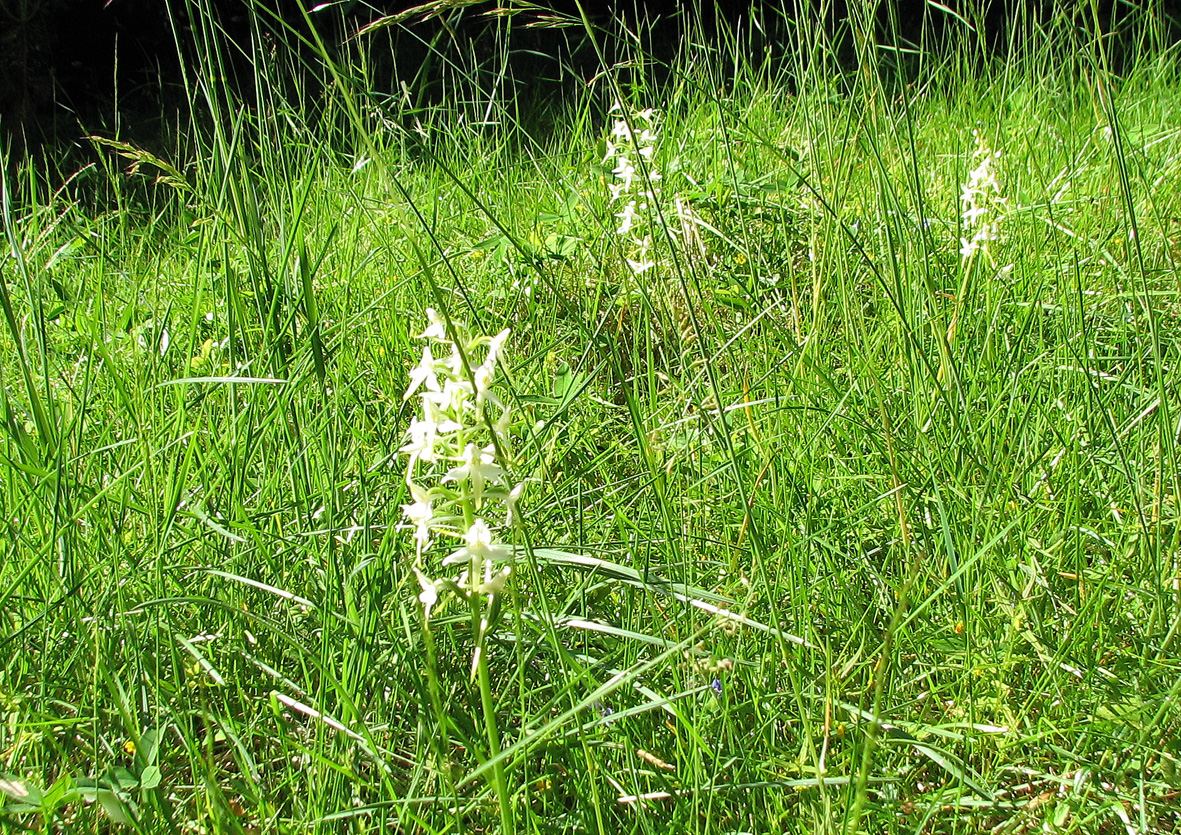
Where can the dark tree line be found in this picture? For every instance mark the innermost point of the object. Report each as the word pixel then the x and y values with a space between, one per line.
pixel 68 67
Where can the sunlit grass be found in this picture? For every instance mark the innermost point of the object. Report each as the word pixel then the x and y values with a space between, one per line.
pixel 830 526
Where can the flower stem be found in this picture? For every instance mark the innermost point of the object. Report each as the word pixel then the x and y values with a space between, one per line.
pixel 499 783
pixel 442 737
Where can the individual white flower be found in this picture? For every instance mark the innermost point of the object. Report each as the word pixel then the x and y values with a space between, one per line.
pixel 512 517
pixel 479 468
pixel 627 218
pixel 443 424
pixel 482 378
pixel 501 428
pixel 495 346
pixel 420 514
pixel 625 172
pixel 420 443
pixel 429 595
pixel 437 329
pixel 454 399
pixel 494 583
pixel 454 363
pixel 973 213
pixel 478 547
pixel 423 374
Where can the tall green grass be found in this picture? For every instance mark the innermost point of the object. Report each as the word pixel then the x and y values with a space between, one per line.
pixel 948 553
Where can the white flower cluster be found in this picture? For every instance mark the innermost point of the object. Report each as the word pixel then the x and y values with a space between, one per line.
pixel 981 203
pixel 631 149
pixel 458 444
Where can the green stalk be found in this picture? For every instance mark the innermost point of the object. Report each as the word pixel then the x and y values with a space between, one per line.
pixel 488 704
pixel 480 658
pixel 436 693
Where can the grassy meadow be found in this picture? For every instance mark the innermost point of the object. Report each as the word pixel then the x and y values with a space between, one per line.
pixel 840 398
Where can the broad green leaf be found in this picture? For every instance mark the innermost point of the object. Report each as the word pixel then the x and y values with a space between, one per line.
pixel 22 791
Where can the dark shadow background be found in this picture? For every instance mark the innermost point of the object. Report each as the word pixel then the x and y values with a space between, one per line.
pixel 69 68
